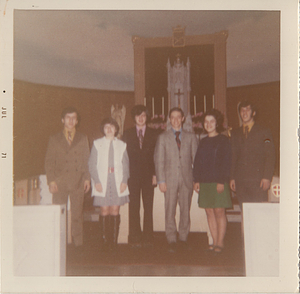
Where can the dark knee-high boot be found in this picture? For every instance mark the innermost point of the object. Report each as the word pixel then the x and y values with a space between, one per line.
pixel 115 225
pixel 105 230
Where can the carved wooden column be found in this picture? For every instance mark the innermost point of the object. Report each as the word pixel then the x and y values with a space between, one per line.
pixel 139 69
pixel 220 72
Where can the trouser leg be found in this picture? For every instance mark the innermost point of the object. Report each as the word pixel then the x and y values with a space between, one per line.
pixel 134 213
pixel 77 197
pixel 171 197
pixel 184 200
pixel 147 196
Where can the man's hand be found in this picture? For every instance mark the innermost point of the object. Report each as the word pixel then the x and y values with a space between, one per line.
pixel 154 182
pixel 86 186
pixel 53 188
pixel 98 187
pixel 220 188
pixel 197 187
pixel 232 185
pixel 123 187
pixel 163 187
pixel 265 184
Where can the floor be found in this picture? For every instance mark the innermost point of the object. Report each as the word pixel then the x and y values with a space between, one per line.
pixel 156 261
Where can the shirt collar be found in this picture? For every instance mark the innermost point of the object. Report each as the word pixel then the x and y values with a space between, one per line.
pixel 176 131
pixel 250 125
pixel 143 130
pixel 66 133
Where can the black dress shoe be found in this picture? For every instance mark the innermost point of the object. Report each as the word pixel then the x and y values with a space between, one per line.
pixel 172 247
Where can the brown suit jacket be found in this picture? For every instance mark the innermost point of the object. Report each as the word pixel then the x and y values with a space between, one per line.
pixel 253 159
pixel 67 165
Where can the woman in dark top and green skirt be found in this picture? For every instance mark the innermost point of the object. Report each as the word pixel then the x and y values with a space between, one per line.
pixel 211 177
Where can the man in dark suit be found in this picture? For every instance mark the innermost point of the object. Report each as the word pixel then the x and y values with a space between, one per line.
pixel 66 166
pixel 140 148
pixel 253 157
pixel 174 156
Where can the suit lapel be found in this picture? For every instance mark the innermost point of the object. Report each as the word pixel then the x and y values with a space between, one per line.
pixel 135 139
pixel 63 141
pixel 171 140
pixel 146 136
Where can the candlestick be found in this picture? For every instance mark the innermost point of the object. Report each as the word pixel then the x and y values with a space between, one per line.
pixel 195 107
pixel 204 103
pixel 152 106
pixel 163 106
pixel 213 102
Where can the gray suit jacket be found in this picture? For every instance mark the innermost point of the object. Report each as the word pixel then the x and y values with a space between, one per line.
pixel 169 161
pixel 67 165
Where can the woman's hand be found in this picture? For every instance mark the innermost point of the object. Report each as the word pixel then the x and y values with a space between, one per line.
pixel 232 185
pixel 98 187
pixel 123 187
pixel 197 187
pixel 220 188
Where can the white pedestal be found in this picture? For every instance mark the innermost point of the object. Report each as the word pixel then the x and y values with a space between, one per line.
pixel 261 235
pixel 39 233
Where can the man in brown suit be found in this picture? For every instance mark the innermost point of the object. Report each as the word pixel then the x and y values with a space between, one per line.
pixel 66 166
pixel 253 157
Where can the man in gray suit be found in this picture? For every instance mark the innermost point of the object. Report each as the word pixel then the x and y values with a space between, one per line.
pixel 174 156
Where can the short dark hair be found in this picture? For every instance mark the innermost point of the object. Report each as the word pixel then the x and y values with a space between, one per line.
pixel 245 103
pixel 218 117
pixel 176 109
pixel 111 121
pixel 138 110
pixel 69 109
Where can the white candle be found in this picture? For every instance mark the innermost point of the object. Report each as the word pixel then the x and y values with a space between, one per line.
pixel 163 106
pixel 152 106
pixel 204 103
pixel 144 101
pixel 195 105
pixel 213 102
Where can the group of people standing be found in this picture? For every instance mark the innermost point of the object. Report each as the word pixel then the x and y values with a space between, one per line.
pixel 128 170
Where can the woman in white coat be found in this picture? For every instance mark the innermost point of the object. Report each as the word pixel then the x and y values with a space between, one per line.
pixel 109 169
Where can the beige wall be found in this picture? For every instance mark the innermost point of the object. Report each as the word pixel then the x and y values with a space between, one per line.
pixel 37 115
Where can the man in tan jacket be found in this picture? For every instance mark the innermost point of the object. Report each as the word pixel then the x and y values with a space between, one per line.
pixel 66 166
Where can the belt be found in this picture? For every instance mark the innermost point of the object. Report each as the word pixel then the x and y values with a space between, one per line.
pixel 111 170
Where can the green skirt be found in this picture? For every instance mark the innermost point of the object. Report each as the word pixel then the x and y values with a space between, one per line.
pixel 210 198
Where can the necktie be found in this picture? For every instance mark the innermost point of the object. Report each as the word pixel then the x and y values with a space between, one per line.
pixel 246 131
pixel 69 138
pixel 178 140
pixel 141 138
